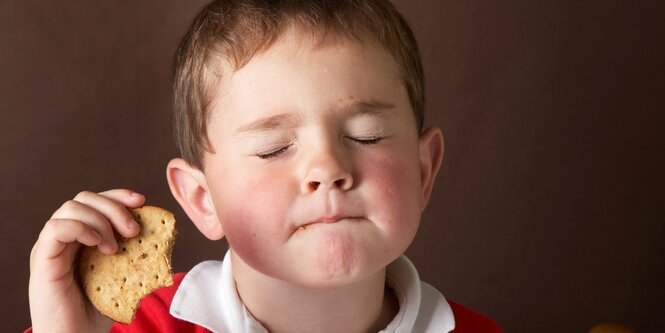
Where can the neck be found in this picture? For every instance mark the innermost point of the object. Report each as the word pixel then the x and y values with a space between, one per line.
pixel 365 306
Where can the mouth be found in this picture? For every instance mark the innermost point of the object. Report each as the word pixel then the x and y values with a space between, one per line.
pixel 324 220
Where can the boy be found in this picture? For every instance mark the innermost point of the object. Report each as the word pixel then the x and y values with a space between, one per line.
pixel 300 125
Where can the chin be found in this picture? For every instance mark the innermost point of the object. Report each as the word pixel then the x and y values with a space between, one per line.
pixel 333 271
pixel 328 280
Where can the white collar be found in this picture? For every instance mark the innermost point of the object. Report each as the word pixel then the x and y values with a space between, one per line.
pixel 207 297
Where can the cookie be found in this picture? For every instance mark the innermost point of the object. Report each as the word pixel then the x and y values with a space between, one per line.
pixel 115 284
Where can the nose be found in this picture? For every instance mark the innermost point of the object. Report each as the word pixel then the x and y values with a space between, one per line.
pixel 326 172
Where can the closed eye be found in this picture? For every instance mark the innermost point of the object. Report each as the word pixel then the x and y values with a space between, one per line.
pixel 367 140
pixel 272 153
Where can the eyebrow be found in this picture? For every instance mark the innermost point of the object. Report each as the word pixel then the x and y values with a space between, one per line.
pixel 273 122
pixel 286 120
pixel 371 107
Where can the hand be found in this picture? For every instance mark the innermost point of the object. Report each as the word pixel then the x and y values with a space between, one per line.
pixel 57 303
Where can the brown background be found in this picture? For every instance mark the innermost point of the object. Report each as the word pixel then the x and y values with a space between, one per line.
pixel 549 211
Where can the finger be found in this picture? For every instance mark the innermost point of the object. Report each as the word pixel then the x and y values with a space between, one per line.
pixel 129 199
pixel 113 205
pixel 58 233
pixel 91 216
pixel 126 197
pixel 54 252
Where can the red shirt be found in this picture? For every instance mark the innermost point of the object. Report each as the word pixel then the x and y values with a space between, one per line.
pixel 153 316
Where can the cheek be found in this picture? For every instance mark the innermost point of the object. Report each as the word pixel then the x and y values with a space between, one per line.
pixel 395 190
pixel 252 212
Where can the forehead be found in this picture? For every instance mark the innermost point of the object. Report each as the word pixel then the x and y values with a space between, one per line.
pixel 300 73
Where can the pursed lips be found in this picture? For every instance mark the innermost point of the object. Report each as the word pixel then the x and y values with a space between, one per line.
pixel 324 220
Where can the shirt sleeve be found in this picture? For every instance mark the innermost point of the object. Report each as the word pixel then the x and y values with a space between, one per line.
pixel 469 321
pixel 153 314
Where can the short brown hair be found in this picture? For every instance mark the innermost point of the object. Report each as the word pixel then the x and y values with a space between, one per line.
pixel 233 31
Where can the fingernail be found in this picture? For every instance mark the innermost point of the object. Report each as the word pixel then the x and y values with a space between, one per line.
pixel 96 238
pixel 108 248
pixel 132 225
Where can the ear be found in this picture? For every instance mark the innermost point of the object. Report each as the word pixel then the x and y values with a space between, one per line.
pixel 431 156
pixel 189 187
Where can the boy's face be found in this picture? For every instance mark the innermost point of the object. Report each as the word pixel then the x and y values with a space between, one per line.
pixel 315 170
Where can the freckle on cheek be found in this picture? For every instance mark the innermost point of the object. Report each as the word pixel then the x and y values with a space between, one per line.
pixel 241 235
